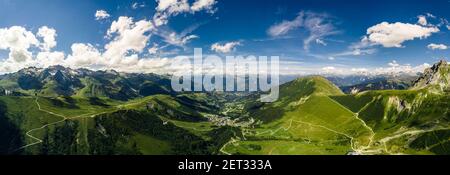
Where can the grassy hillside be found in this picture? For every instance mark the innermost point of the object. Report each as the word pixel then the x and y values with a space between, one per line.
pixel 291 95
pixel 307 120
pixel 79 125
pixel 321 120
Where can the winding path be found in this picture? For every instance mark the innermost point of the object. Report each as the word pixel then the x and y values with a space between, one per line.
pixel 64 118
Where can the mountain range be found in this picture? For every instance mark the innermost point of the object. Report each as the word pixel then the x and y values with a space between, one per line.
pixel 64 111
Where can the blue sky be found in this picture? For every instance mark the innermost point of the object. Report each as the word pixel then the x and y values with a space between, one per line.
pixel 309 36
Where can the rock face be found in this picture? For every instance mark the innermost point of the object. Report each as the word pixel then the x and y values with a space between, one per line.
pixel 435 78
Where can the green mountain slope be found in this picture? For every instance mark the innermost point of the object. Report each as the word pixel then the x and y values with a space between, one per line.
pixel 314 121
pixel 291 94
pixel 306 120
pixel 76 125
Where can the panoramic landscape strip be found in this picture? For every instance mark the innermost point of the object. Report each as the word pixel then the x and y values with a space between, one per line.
pixel 210 77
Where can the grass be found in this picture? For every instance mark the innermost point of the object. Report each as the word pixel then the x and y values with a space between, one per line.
pixel 281 147
pixel 196 128
pixel 151 146
pixel 24 112
pixel 353 102
pixel 317 126
pixel 435 141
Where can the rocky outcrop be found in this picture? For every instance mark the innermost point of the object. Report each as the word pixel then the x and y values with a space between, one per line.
pixel 435 78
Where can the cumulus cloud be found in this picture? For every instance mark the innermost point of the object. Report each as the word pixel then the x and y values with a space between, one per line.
pixel 84 55
pixel 433 46
pixel 317 25
pixel 44 59
pixel 101 14
pixel 49 37
pixel 394 34
pixel 17 40
pixel 128 36
pixel 225 48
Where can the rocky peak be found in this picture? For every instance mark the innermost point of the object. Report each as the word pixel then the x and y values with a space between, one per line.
pixel 437 76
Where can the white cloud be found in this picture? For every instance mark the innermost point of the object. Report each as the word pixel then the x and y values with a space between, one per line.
pixel 20 55
pixel 130 37
pixel 168 8
pixel 171 37
pixel 49 37
pixel 17 40
pixel 393 63
pixel 136 5
pixel 392 68
pixel 225 48
pixel 286 26
pixel 20 42
pixel 329 68
pixel 44 59
pixel 154 49
pixel 84 55
pixel 355 51
pixel 422 20
pixel 433 46
pixel 101 14
pixel 321 42
pixel 172 6
pixel 179 40
pixel 179 6
pixel 396 68
pixel 394 34
pixel 203 5
pixel 317 25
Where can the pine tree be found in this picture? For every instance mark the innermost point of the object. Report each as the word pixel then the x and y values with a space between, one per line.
pixel 45 146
